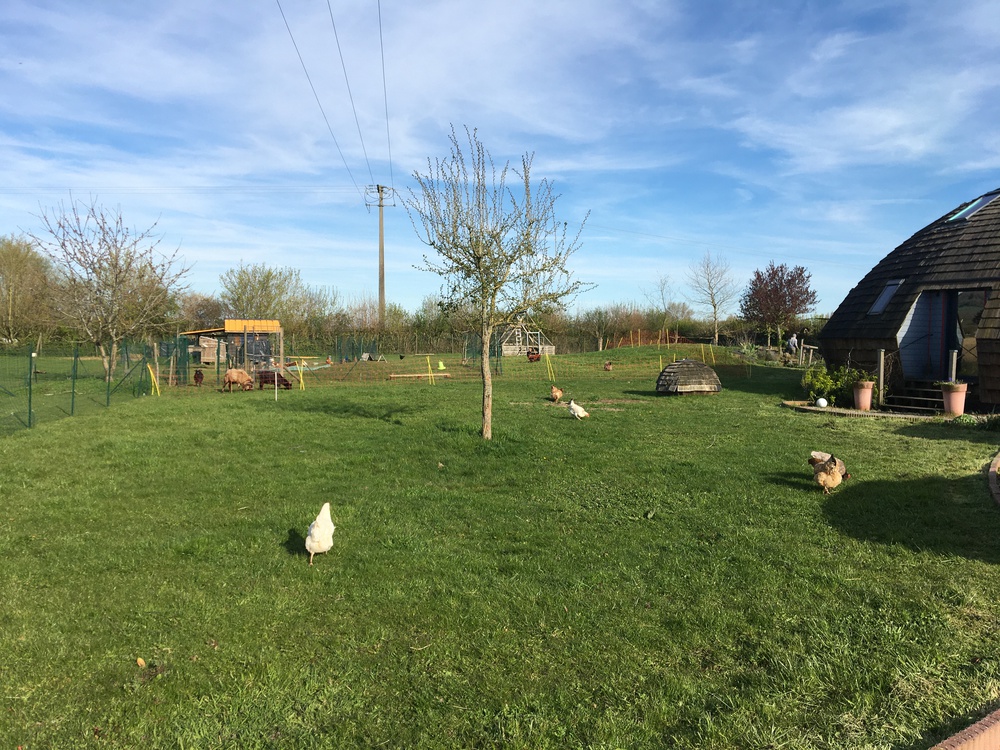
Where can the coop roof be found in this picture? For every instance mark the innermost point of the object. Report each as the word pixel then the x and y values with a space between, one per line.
pixel 238 325
pixel 688 376
pixel 961 250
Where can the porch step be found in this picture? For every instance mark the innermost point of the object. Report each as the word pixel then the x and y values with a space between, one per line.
pixel 919 396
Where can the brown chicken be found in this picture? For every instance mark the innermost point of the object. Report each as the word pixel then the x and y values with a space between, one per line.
pixel 828 471
pixel 557 394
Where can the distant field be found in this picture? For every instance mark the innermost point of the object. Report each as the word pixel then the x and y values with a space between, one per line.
pixel 662 574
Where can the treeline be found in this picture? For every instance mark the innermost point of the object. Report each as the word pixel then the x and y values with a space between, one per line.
pixel 87 278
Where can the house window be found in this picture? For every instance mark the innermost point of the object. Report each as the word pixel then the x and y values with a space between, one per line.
pixel 977 204
pixel 886 295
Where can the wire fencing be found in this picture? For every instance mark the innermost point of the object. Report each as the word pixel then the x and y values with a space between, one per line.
pixel 37 387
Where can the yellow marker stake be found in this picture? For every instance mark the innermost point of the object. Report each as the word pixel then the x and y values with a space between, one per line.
pixel 703 353
pixel 712 352
pixel 548 365
pixel 152 376
pixel 430 371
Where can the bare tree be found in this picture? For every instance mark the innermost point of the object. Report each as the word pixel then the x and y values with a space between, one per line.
pixel 622 318
pixel 661 296
pixel 24 275
pixel 112 282
pixel 596 321
pixel 713 288
pixel 310 312
pixel 500 249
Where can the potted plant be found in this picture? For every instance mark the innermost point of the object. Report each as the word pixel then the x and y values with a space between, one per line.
pixel 864 386
pixel 953 394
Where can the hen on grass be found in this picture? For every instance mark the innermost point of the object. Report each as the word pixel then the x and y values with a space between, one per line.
pixel 828 470
pixel 320 536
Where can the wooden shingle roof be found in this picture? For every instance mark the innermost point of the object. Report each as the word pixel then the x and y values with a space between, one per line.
pixel 688 376
pixel 961 250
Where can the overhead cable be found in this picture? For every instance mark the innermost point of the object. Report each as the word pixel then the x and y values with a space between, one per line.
pixel 385 97
pixel 318 102
pixel 349 94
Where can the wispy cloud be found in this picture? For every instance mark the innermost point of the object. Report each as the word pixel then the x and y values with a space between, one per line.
pixel 814 132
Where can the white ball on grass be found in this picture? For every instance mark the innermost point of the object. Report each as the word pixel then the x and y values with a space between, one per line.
pixel 821 403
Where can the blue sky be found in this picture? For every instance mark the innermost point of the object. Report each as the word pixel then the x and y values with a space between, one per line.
pixel 814 133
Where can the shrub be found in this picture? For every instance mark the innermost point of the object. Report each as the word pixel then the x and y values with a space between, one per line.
pixel 836 387
pixel 967 420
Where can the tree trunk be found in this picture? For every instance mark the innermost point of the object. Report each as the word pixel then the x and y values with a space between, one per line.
pixel 106 361
pixel 484 366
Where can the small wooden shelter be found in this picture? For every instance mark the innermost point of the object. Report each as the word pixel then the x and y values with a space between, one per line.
pixel 519 340
pixel 688 376
pixel 933 300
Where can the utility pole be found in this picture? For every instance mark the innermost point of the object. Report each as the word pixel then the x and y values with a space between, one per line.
pixel 381 258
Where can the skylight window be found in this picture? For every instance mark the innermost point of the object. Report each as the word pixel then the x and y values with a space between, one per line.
pixel 977 204
pixel 886 295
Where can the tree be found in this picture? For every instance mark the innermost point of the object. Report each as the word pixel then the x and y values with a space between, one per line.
pixel 24 276
pixel 258 292
pixel 661 297
pixel 499 249
pixel 595 322
pixel 201 311
pixel 775 296
pixel 311 313
pixel 622 318
pixel 713 288
pixel 112 282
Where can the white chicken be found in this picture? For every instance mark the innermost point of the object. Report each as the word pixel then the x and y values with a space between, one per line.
pixel 576 410
pixel 320 536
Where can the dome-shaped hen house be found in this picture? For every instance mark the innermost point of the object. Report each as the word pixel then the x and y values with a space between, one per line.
pixel 937 293
pixel 688 376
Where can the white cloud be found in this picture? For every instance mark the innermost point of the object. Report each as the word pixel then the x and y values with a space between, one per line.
pixel 665 118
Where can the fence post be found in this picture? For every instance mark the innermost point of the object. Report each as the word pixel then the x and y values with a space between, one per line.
pixel 31 375
pixel 72 396
pixel 881 377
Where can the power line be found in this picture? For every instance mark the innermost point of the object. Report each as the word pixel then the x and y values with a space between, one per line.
pixel 385 97
pixel 350 96
pixel 28 189
pixel 318 103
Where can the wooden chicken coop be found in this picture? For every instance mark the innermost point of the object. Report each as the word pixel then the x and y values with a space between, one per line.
pixel 519 341
pixel 688 376
pixel 250 344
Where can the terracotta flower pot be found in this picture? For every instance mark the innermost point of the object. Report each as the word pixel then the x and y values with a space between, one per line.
pixel 953 395
pixel 863 394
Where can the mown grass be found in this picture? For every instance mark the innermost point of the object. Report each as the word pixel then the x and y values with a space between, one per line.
pixel 662 574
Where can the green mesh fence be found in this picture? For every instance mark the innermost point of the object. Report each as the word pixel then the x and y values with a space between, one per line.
pixel 51 384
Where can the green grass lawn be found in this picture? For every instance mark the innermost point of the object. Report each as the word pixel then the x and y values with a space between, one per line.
pixel 663 574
